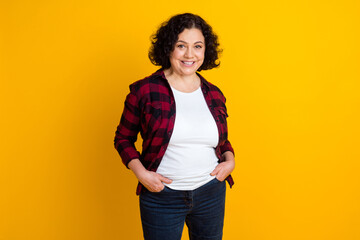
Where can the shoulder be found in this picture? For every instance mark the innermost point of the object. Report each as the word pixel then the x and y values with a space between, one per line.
pixel 152 83
pixel 149 89
pixel 214 90
pixel 154 78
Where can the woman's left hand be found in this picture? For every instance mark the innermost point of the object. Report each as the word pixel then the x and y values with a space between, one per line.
pixel 224 169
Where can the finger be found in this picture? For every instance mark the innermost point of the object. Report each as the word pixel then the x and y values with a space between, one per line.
pixel 156 188
pixel 159 188
pixel 220 177
pixel 215 171
pixel 165 180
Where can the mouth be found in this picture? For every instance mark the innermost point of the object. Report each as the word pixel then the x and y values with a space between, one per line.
pixel 189 64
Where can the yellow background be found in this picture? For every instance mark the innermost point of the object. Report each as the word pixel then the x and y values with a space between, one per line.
pixel 290 72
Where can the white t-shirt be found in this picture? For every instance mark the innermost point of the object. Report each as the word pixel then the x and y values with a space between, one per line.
pixel 190 156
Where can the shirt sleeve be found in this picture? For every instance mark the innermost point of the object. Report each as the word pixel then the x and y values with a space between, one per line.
pixel 226 147
pixel 128 129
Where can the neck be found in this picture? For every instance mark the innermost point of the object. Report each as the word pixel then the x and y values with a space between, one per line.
pixel 183 83
pixel 185 79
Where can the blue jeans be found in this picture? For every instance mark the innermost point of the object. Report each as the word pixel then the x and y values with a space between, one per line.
pixel 163 214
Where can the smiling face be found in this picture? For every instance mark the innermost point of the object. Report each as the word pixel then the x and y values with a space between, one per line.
pixel 188 54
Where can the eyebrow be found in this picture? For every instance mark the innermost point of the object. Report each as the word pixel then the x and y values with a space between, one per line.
pixel 186 42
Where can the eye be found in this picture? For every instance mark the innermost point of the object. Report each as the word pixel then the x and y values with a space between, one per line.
pixel 198 46
pixel 180 46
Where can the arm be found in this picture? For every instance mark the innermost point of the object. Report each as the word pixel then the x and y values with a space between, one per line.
pixel 128 129
pixel 227 161
pixel 125 138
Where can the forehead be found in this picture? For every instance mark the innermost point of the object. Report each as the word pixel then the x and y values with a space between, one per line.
pixel 191 35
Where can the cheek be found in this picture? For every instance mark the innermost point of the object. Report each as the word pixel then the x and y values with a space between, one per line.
pixel 201 55
pixel 173 58
pixel 176 54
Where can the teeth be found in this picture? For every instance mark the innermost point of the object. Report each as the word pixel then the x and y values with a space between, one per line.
pixel 188 63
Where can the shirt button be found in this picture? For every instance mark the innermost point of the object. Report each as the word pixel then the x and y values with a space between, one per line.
pixel 169 133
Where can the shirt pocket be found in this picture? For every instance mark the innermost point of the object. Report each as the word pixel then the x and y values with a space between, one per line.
pixel 151 117
pixel 221 114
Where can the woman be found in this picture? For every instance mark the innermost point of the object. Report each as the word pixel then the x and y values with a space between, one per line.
pixel 186 155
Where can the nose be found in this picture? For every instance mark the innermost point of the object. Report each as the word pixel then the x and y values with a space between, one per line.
pixel 188 53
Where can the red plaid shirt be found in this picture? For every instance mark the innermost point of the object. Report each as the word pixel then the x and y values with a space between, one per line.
pixel 150 110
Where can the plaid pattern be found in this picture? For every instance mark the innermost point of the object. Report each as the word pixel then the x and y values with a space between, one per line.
pixel 150 109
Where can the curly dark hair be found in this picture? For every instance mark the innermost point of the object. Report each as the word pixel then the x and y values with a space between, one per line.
pixel 163 41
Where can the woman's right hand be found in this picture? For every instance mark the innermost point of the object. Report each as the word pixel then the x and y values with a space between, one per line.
pixel 151 180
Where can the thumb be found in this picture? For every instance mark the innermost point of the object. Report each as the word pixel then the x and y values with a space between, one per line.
pixel 215 171
pixel 165 180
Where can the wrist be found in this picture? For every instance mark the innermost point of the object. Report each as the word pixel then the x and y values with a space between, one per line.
pixel 137 168
pixel 228 156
